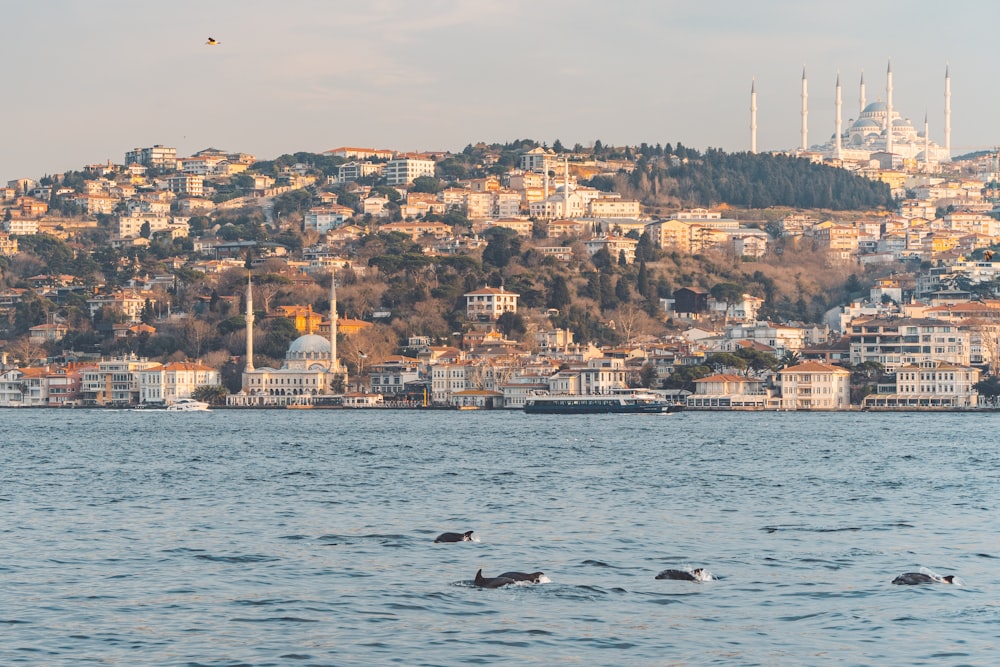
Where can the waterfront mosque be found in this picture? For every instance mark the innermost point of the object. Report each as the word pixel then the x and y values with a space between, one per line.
pixel 311 367
pixel 879 128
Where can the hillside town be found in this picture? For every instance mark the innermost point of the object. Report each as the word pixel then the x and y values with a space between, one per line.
pixel 142 282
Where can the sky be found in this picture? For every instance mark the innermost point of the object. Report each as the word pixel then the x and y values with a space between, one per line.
pixel 86 80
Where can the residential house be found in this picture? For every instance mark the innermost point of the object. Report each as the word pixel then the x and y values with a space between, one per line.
pixel 391 375
pixel 812 385
pixel 173 381
pixel 488 303
pixel 728 392
pixel 929 385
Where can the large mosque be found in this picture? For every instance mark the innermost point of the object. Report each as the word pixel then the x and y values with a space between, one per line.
pixel 879 128
pixel 311 367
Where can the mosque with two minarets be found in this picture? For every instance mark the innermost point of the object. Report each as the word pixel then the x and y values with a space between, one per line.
pixel 878 132
pixel 310 369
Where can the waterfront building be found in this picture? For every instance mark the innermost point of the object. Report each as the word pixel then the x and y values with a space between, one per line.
pixel 311 367
pixel 812 385
pixel 724 391
pixel 113 381
pixel 390 376
pixel 167 383
pixel 929 385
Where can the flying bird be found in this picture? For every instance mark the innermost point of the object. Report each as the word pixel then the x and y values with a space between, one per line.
pixel 212 42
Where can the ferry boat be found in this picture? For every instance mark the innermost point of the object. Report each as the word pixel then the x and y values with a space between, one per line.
pixel 635 402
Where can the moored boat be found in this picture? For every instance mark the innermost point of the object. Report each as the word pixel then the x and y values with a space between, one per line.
pixel 626 402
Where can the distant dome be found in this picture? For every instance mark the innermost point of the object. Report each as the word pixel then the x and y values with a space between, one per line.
pixel 875 107
pixel 309 346
pixel 866 122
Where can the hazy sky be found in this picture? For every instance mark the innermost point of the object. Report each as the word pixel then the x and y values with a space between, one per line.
pixel 86 80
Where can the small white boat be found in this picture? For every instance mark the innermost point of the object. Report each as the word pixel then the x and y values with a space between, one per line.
pixel 187 405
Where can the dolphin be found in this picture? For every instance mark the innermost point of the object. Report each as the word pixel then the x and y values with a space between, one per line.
pixel 492 582
pixel 914 578
pixel 454 537
pixel 533 577
pixel 698 574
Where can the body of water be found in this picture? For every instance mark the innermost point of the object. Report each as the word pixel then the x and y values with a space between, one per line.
pixel 306 538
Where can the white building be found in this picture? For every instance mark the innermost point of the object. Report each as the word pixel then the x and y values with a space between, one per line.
pixel 930 384
pixel 167 383
pixel 815 386
pixel 489 303
pixel 405 170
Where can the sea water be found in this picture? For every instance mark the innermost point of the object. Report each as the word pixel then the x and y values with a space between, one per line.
pixel 306 538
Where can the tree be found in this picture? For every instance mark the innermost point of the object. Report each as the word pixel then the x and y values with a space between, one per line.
pixel 503 245
pixel 510 322
pixel 757 360
pixel 559 296
pixel 648 375
pixel 729 294
pixel 684 377
pixel 426 184
pixel 211 394
pixel 723 361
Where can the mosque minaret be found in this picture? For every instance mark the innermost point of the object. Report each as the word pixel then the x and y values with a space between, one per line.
pixel 947 111
pixel 334 361
pixel 878 130
pixel 249 318
pixel 861 95
pixel 805 111
pixel 839 120
pixel 310 369
pixel 890 119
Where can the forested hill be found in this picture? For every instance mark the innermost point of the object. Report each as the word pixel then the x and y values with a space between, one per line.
pixel 760 181
pixel 752 180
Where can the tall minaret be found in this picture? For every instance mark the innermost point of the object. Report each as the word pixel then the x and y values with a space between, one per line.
pixel 334 362
pixel 753 116
pixel 888 108
pixel 927 143
pixel 947 112
pixel 861 97
pixel 839 125
pixel 249 318
pixel 805 111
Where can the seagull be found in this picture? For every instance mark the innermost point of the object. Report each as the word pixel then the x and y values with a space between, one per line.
pixel 212 42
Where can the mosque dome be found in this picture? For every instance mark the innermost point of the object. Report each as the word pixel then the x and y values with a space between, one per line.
pixel 309 346
pixel 866 123
pixel 875 107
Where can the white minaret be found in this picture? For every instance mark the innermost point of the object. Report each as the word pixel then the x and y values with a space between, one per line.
pixel 753 116
pixel 249 318
pixel 947 112
pixel 839 123
pixel 927 143
pixel 334 362
pixel 805 111
pixel 861 96
pixel 888 108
